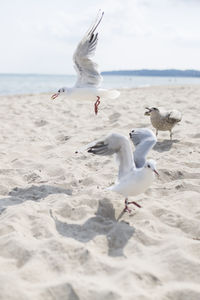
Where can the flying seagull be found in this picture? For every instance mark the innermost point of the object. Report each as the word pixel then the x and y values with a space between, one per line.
pixel 88 76
pixel 135 173
pixel 163 120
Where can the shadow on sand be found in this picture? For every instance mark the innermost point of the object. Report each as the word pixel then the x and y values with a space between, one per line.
pixel 165 145
pixel 104 223
pixel 34 193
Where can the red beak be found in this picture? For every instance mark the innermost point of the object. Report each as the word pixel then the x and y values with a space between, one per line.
pixel 54 96
pixel 156 172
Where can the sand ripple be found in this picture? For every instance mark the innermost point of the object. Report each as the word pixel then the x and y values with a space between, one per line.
pixel 63 236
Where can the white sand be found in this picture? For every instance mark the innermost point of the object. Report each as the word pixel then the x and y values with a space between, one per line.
pixel 62 236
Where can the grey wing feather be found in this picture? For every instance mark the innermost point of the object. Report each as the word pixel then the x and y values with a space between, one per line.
pixel 87 70
pixel 143 139
pixel 115 144
pixel 174 116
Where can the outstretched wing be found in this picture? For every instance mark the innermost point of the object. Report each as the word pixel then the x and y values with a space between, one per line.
pixel 115 144
pixel 87 70
pixel 143 139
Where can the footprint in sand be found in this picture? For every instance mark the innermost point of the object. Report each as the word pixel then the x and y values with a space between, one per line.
pixel 40 123
pixel 114 117
pixel 63 138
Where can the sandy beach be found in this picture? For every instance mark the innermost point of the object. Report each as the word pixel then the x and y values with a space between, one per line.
pixel 63 236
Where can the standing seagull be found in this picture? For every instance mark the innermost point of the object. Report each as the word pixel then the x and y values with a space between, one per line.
pixel 136 173
pixel 163 120
pixel 89 78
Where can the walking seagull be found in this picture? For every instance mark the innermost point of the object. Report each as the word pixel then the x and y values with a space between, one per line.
pixel 136 173
pixel 89 78
pixel 163 120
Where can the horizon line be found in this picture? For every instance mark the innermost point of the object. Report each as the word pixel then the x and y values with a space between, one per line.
pixel 106 71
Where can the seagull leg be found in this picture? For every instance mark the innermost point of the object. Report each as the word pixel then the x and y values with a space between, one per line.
pixel 135 203
pixel 156 132
pixel 170 135
pixel 96 105
pixel 126 209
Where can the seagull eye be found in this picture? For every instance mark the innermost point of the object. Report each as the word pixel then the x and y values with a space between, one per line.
pixel 58 91
pixel 148 166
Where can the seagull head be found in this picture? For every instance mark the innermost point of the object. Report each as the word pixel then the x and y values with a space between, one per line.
pixel 62 90
pixel 151 165
pixel 149 110
pixel 137 135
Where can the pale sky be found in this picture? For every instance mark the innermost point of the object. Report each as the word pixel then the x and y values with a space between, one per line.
pixel 40 36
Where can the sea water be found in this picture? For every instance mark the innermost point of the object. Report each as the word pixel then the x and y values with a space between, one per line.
pixel 11 84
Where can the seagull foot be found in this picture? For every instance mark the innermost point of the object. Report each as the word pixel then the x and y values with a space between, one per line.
pixel 126 209
pixel 96 105
pixel 135 203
